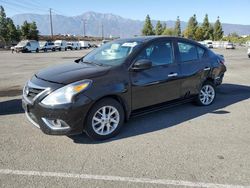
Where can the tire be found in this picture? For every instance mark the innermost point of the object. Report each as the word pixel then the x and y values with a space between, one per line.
pixel 248 56
pixel 65 49
pixel 60 49
pixel 45 50
pixel 100 130
pixel 209 90
pixel 37 50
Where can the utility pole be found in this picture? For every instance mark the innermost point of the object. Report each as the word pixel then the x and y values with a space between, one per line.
pixel 102 32
pixel 51 25
pixel 84 27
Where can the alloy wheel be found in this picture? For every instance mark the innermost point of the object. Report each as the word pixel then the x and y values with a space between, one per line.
pixel 105 120
pixel 207 94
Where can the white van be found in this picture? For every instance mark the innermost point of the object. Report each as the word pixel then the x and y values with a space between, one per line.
pixel 73 45
pixel 46 45
pixel 60 45
pixel 84 44
pixel 27 46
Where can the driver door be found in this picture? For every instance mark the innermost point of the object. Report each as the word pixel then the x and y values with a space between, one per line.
pixel 161 82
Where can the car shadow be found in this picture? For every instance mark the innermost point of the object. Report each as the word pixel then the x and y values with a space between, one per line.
pixel 9 107
pixel 227 94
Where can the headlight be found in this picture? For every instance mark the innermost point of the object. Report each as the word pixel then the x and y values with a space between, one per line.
pixel 65 94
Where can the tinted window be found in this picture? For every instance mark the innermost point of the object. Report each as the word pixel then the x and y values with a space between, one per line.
pixel 201 52
pixel 188 52
pixel 160 53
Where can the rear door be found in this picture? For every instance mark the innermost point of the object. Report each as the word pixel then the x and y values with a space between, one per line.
pixel 159 83
pixel 194 67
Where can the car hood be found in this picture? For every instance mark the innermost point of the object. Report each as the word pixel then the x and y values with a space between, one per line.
pixel 71 72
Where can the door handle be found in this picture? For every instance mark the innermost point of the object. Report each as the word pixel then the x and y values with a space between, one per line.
pixel 172 74
pixel 207 69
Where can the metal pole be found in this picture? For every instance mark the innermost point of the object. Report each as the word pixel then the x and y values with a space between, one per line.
pixel 84 27
pixel 102 32
pixel 51 25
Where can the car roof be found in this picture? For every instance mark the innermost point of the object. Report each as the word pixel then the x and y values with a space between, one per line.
pixel 144 39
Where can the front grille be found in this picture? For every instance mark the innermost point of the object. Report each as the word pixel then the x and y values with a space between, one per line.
pixel 33 92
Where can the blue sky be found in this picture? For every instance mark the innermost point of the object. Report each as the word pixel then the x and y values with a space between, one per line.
pixel 230 11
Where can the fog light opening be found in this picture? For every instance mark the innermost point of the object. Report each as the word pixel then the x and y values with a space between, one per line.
pixel 55 123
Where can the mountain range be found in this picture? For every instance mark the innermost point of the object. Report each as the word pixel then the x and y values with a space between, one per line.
pixel 113 25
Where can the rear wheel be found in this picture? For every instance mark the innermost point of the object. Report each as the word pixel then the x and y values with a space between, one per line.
pixel 207 94
pixel 37 50
pixel 105 119
pixel 45 50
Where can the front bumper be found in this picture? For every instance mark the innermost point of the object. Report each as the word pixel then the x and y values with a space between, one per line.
pixel 70 116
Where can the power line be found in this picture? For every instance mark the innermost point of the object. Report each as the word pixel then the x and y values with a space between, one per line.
pixel 21 6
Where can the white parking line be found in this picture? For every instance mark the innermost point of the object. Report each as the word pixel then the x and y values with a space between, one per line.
pixel 119 179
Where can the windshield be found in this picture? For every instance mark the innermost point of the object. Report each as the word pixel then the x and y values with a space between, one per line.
pixel 42 43
pixel 22 43
pixel 112 53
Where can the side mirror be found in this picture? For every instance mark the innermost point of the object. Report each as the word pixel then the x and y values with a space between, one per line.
pixel 142 64
pixel 78 60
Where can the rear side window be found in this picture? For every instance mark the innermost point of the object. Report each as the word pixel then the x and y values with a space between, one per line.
pixel 201 52
pixel 188 52
pixel 160 53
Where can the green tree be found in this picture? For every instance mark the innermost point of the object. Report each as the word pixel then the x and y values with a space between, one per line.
pixel 12 34
pixel 191 28
pixel 148 27
pixel 199 34
pixel 206 28
pixel 164 27
pixel 25 28
pixel 169 32
pixel 3 25
pixel 177 27
pixel 33 31
pixel 211 32
pixel 218 31
pixel 158 28
pixel 29 31
pixel 19 32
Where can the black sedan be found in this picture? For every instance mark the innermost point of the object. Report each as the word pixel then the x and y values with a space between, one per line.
pixel 97 93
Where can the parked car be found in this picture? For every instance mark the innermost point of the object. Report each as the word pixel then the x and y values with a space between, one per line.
pixel 84 44
pixel 103 42
pixel 27 46
pixel 60 45
pixel 73 45
pixel 46 45
pixel 230 46
pixel 209 44
pixel 248 52
pixel 123 78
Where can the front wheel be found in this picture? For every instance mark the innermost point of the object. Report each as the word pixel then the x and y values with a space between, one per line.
pixel 207 94
pixel 105 119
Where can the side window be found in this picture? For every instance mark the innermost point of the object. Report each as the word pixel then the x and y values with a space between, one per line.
pixel 28 44
pixel 160 53
pixel 188 52
pixel 201 52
